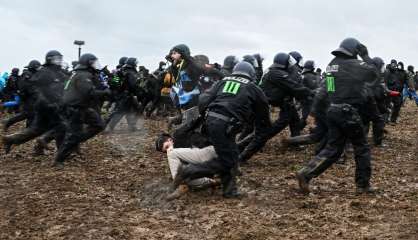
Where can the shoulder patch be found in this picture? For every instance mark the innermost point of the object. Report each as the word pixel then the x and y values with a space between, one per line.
pixel 332 68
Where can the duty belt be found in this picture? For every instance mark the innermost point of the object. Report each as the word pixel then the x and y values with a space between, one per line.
pixel 219 116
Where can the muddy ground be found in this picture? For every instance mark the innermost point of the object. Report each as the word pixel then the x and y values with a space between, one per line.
pixel 116 190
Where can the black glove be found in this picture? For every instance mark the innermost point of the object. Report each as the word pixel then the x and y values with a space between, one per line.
pixel 362 50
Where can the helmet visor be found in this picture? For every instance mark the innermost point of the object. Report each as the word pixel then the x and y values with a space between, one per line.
pixel 96 65
pixel 57 60
pixel 292 61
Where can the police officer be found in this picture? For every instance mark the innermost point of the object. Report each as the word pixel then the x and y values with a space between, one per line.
pixel 259 70
pixel 127 104
pixel 229 64
pixel 279 88
pixel 82 105
pixel 231 102
pixel 25 89
pixel 345 82
pixel 374 92
pixel 310 80
pixel 394 83
pixel 296 75
pixel 49 87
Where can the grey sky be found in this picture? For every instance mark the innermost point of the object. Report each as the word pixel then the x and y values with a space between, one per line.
pixel 148 29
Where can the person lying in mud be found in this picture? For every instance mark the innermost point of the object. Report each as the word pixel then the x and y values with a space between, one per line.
pixel 182 159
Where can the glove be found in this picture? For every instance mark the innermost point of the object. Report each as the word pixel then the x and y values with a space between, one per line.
pixel 362 50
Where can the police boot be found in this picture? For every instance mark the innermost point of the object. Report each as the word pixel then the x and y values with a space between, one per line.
pixel 246 155
pixel 314 168
pixel 7 145
pixel 229 186
pixel 366 190
pixel 303 181
pixel 298 140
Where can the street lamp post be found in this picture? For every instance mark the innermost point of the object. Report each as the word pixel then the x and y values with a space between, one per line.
pixel 79 44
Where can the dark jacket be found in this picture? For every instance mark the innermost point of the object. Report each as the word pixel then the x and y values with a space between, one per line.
pixel 26 88
pixel 310 80
pixel 278 85
pixel 346 79
pixel 49 82
pixel 238 98
pixel 393 81
pixel 81 91
pixel 190 72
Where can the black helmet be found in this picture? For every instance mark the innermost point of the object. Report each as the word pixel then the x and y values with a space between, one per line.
pixel 298 57
pixel 87 59
pixel 183 49
pixel 283 60
pixel 309 65
pixel 34 64
pixel 53 57
pixel 393 61
pixel 133 62
pixel 122 61
pixel 244 69
pixel 251 60
pixel 201 59
pixel 230 62
pixel 348 47
pixel 400 65
pixel 378 62
pixel 410 68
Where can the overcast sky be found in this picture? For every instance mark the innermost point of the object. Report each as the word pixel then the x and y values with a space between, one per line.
pixel 148 29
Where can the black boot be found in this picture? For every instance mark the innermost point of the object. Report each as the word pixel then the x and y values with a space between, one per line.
pixel 298 140
pixel 7 145
pixel 366 190
pixel 229 186
pixel 303 181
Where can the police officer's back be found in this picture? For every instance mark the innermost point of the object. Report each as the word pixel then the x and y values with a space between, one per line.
pixel 229 104
pixel 345 84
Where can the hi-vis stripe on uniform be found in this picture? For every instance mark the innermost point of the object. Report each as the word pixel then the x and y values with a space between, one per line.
pixel 330 80
pixel 231 87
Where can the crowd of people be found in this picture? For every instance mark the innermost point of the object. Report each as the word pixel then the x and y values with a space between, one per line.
pixel 219 116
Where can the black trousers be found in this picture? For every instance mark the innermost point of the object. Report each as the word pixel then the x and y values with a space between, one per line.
pixel 294 120
pixel 45 118
pixel 344 124
pixel 373 115
pixel 76 133
pixel 223 140
pixel 256 141
pixel 125 107
pixel 396 108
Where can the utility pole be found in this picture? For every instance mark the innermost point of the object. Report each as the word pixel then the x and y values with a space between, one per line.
pixel 79 43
